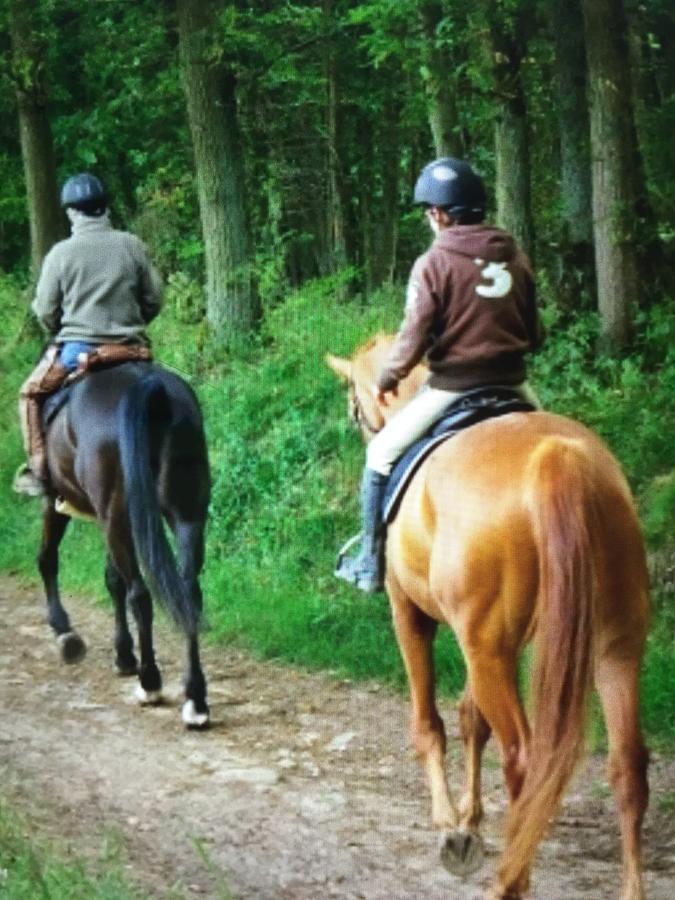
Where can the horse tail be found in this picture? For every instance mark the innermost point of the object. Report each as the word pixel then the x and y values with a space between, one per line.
pixel 562 496
pixel 144 420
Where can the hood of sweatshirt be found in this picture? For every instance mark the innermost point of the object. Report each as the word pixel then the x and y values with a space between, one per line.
pixel 477 242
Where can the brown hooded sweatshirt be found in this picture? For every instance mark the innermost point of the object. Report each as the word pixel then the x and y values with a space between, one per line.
pixel 470 307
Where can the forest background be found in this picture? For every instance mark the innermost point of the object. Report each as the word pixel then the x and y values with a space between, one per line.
pixel 266 153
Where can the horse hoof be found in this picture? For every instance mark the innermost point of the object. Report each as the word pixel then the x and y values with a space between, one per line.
pixel 496 893
pixel 192 718
pixel 147 698
pixel 71 647
pixel 462 852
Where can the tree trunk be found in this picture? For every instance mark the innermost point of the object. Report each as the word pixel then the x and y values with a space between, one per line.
pixel 47 223
pixel 210 91
pixel 614 174
pixel 576 275
pixel 337 248
pixel 514 209
pixel 381 228
pixel 439 87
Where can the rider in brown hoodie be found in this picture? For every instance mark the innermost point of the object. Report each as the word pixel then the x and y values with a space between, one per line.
pixel 470 309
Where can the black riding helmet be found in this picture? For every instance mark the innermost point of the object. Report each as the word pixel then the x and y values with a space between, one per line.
pixel 85 193
pixel 452 185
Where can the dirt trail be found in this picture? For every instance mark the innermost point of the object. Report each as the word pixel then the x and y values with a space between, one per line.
pixel 303 788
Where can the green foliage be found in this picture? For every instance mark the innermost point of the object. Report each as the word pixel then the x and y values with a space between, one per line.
pixel 628 401
pixel 659 517
pixel 116 106
pixel 658 673
pixel 30 869
pixel 285 469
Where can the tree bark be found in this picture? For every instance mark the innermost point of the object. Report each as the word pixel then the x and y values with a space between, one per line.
pixel 512 189
pixel 576 274
pixel 337 247
pixel 614 172
pixel 381 229
pixel 439 87
pixel 47 225
pixel 210 90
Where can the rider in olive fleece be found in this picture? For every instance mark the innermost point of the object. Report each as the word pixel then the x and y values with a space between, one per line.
pixel 96 287
pixel 470 310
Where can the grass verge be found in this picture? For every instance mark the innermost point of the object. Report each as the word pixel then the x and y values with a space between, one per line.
pixel 286 467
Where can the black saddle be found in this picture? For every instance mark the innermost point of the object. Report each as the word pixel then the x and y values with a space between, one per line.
pixel 473 407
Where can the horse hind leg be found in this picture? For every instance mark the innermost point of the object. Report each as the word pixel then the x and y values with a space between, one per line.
pixel 149 688
pixel 190 545
pixel 617 682
pixel 71 645
pixel 493 685
pixel 125 659
pixel 122 562
pixel 475 733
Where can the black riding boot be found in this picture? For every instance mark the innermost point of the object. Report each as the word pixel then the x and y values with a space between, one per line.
pixel 366 570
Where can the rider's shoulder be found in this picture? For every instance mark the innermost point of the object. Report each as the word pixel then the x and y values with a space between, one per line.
pixel 131 240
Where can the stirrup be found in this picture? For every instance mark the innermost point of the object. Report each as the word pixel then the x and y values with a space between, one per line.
pixel 65 508
pixel 344 550
pixel 368 582
pixel 27 483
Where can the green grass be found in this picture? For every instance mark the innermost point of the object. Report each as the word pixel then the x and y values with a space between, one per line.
pixel 31 869
pixel 286 466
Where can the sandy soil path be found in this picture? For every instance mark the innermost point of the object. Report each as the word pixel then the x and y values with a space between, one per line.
pixel 304 788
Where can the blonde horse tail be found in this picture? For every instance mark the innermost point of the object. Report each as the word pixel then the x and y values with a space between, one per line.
pixel 561 495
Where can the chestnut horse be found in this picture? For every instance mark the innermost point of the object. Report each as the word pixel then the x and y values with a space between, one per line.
pixel 128 450
pixel 519 529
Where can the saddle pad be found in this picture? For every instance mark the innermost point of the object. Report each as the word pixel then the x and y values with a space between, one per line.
pixel 471 408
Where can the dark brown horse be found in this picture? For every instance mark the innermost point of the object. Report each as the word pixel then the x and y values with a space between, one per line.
pixel 519 529
pixel 128 449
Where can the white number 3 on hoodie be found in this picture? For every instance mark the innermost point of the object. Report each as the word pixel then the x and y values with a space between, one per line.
pixel 498 276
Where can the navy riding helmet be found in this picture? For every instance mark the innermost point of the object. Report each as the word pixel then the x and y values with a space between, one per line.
pixel 86 193
pixel 452 184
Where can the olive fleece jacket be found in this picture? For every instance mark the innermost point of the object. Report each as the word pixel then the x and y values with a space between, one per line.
pixel 470 308
pixel 98 286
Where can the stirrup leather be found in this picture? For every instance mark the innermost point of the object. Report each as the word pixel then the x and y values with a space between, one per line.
pixel 344 550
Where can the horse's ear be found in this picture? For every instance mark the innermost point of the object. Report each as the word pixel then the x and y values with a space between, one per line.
pixel 342 367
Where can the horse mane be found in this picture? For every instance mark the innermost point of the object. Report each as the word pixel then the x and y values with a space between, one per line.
pixel 367 363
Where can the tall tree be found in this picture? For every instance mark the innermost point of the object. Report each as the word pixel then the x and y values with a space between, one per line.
pixel 508 34
pixel 576 260
pixel 37 147
pixel 439 84
pixel 337 249
pixel 380 192
pixel 615 169
pixel 210 83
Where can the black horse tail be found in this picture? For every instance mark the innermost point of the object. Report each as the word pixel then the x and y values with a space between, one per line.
pixel 144 421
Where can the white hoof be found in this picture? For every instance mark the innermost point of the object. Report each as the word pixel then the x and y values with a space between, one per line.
pixel 191 717
pixel 147 698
